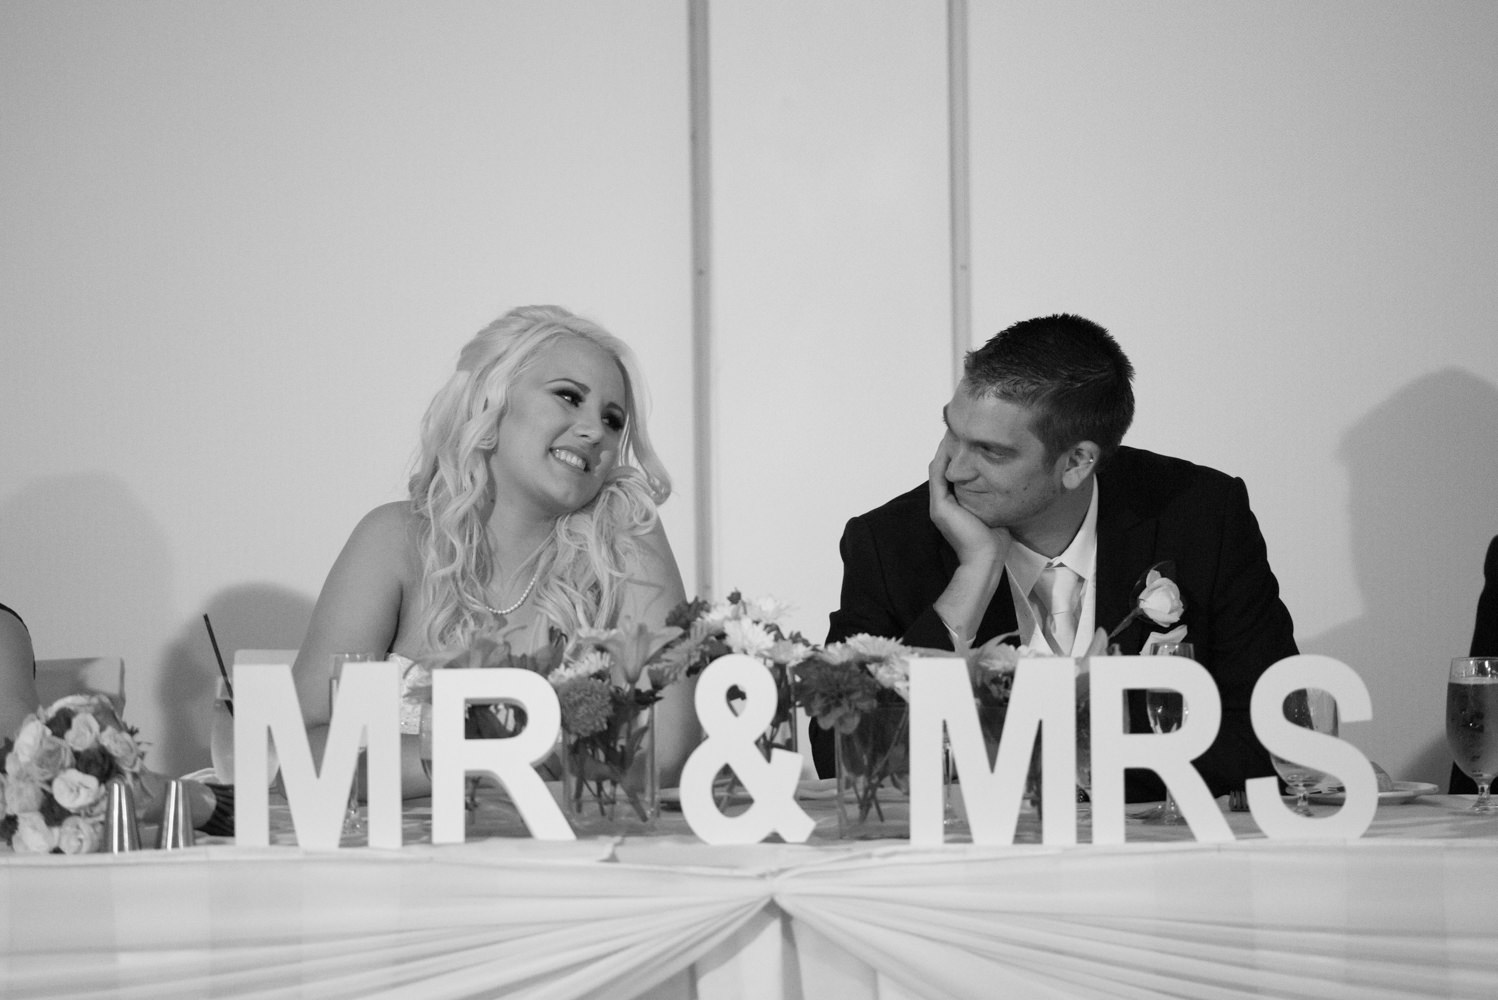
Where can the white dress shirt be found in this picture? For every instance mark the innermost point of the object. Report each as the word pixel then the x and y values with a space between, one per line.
pixel 1024 566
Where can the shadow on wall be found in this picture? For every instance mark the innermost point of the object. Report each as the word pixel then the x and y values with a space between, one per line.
pixel 88 567
pixel 247 616
pixel 1422 467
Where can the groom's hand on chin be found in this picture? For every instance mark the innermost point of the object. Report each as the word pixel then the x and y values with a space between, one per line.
pixel 975 543
pixel 980 556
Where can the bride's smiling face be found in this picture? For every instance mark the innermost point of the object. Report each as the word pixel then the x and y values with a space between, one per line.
pixel 561 430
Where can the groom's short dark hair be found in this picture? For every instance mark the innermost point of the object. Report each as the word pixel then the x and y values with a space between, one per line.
pixel 1067 370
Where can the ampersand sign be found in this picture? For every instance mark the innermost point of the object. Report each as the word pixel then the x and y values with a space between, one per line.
pixel 730 741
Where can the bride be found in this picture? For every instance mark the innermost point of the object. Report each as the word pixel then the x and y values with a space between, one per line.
pixel 532 507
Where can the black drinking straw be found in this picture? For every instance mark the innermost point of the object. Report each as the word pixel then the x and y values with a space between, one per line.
pixel 228 684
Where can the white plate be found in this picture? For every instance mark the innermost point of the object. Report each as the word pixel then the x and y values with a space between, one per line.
pixel 813 788
pixel 673 795
pixel 1403 791
pixel 670 799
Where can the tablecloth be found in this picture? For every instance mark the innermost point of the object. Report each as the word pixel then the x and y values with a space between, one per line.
pixel 1409 910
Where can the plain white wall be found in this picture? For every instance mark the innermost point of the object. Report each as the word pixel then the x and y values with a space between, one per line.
pixel 832 317
pixel 241 244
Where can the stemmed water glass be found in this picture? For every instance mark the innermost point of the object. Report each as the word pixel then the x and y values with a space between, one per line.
pixel 221 742
pixel 1084 743
pixel 950 818
pixel 1471 693
pixel 1309 708
pixel 1167 712
pixel 353 820
pixel 1084 733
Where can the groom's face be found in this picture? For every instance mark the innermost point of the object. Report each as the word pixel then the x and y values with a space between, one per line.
pixel 997 466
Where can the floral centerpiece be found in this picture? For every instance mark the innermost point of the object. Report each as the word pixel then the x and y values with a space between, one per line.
pixel 991 669
pixel 608 684
pixel 54 772
pixel 486 653
pixel 751 628
pixel 859 688
pixel 480 721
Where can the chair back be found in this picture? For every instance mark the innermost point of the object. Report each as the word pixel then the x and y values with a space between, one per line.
pixel 81 675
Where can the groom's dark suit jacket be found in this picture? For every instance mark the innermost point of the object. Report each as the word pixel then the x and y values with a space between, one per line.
pixel 1151 509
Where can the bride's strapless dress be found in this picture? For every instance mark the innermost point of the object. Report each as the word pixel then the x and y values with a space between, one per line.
pixel 416 689
pixel 416 693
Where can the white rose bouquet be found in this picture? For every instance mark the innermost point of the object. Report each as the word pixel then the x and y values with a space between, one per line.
pixel 54 771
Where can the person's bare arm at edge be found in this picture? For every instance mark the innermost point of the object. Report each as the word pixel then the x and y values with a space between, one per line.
pixel 980 555
pixel 649 598
pixel 18 697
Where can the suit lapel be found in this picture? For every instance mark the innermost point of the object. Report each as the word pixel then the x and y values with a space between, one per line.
pixel 999 618
pixel 1125 551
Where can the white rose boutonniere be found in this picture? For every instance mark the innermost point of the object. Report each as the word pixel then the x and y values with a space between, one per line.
pixel 1159 599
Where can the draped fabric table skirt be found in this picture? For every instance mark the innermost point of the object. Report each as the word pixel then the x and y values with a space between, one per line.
pixel 1410 910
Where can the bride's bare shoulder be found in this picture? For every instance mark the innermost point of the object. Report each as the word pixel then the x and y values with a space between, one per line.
pixel 394 518
pixel 389 534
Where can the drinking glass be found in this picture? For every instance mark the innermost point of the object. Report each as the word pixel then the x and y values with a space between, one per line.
pixel 221 742
pixel 1084 745
pixel 1167 711
pixel 1471 694
pixel 353 820
pixel 1309 708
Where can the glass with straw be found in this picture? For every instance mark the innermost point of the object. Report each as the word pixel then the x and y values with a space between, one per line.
pixel 353 819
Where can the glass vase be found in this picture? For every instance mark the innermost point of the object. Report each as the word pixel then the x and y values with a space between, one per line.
pixel 609 782
pixel 991 725
pixel 873 775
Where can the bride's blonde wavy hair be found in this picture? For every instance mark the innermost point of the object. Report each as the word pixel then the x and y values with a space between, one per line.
pixel 583 565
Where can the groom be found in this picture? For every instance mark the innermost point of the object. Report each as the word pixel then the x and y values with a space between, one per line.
pixel 1036 519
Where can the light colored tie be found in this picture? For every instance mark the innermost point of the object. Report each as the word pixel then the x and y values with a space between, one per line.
pixel 1056 592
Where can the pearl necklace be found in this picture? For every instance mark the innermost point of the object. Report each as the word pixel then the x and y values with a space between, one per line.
pixel 519 601
pixel 523 595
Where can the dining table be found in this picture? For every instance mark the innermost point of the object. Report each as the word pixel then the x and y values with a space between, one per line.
pixel 1409 909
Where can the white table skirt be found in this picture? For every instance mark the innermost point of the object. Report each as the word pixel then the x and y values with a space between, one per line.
pixel 1411 910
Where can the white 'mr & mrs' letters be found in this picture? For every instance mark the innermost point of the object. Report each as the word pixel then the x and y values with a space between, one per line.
pixel 1042 704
